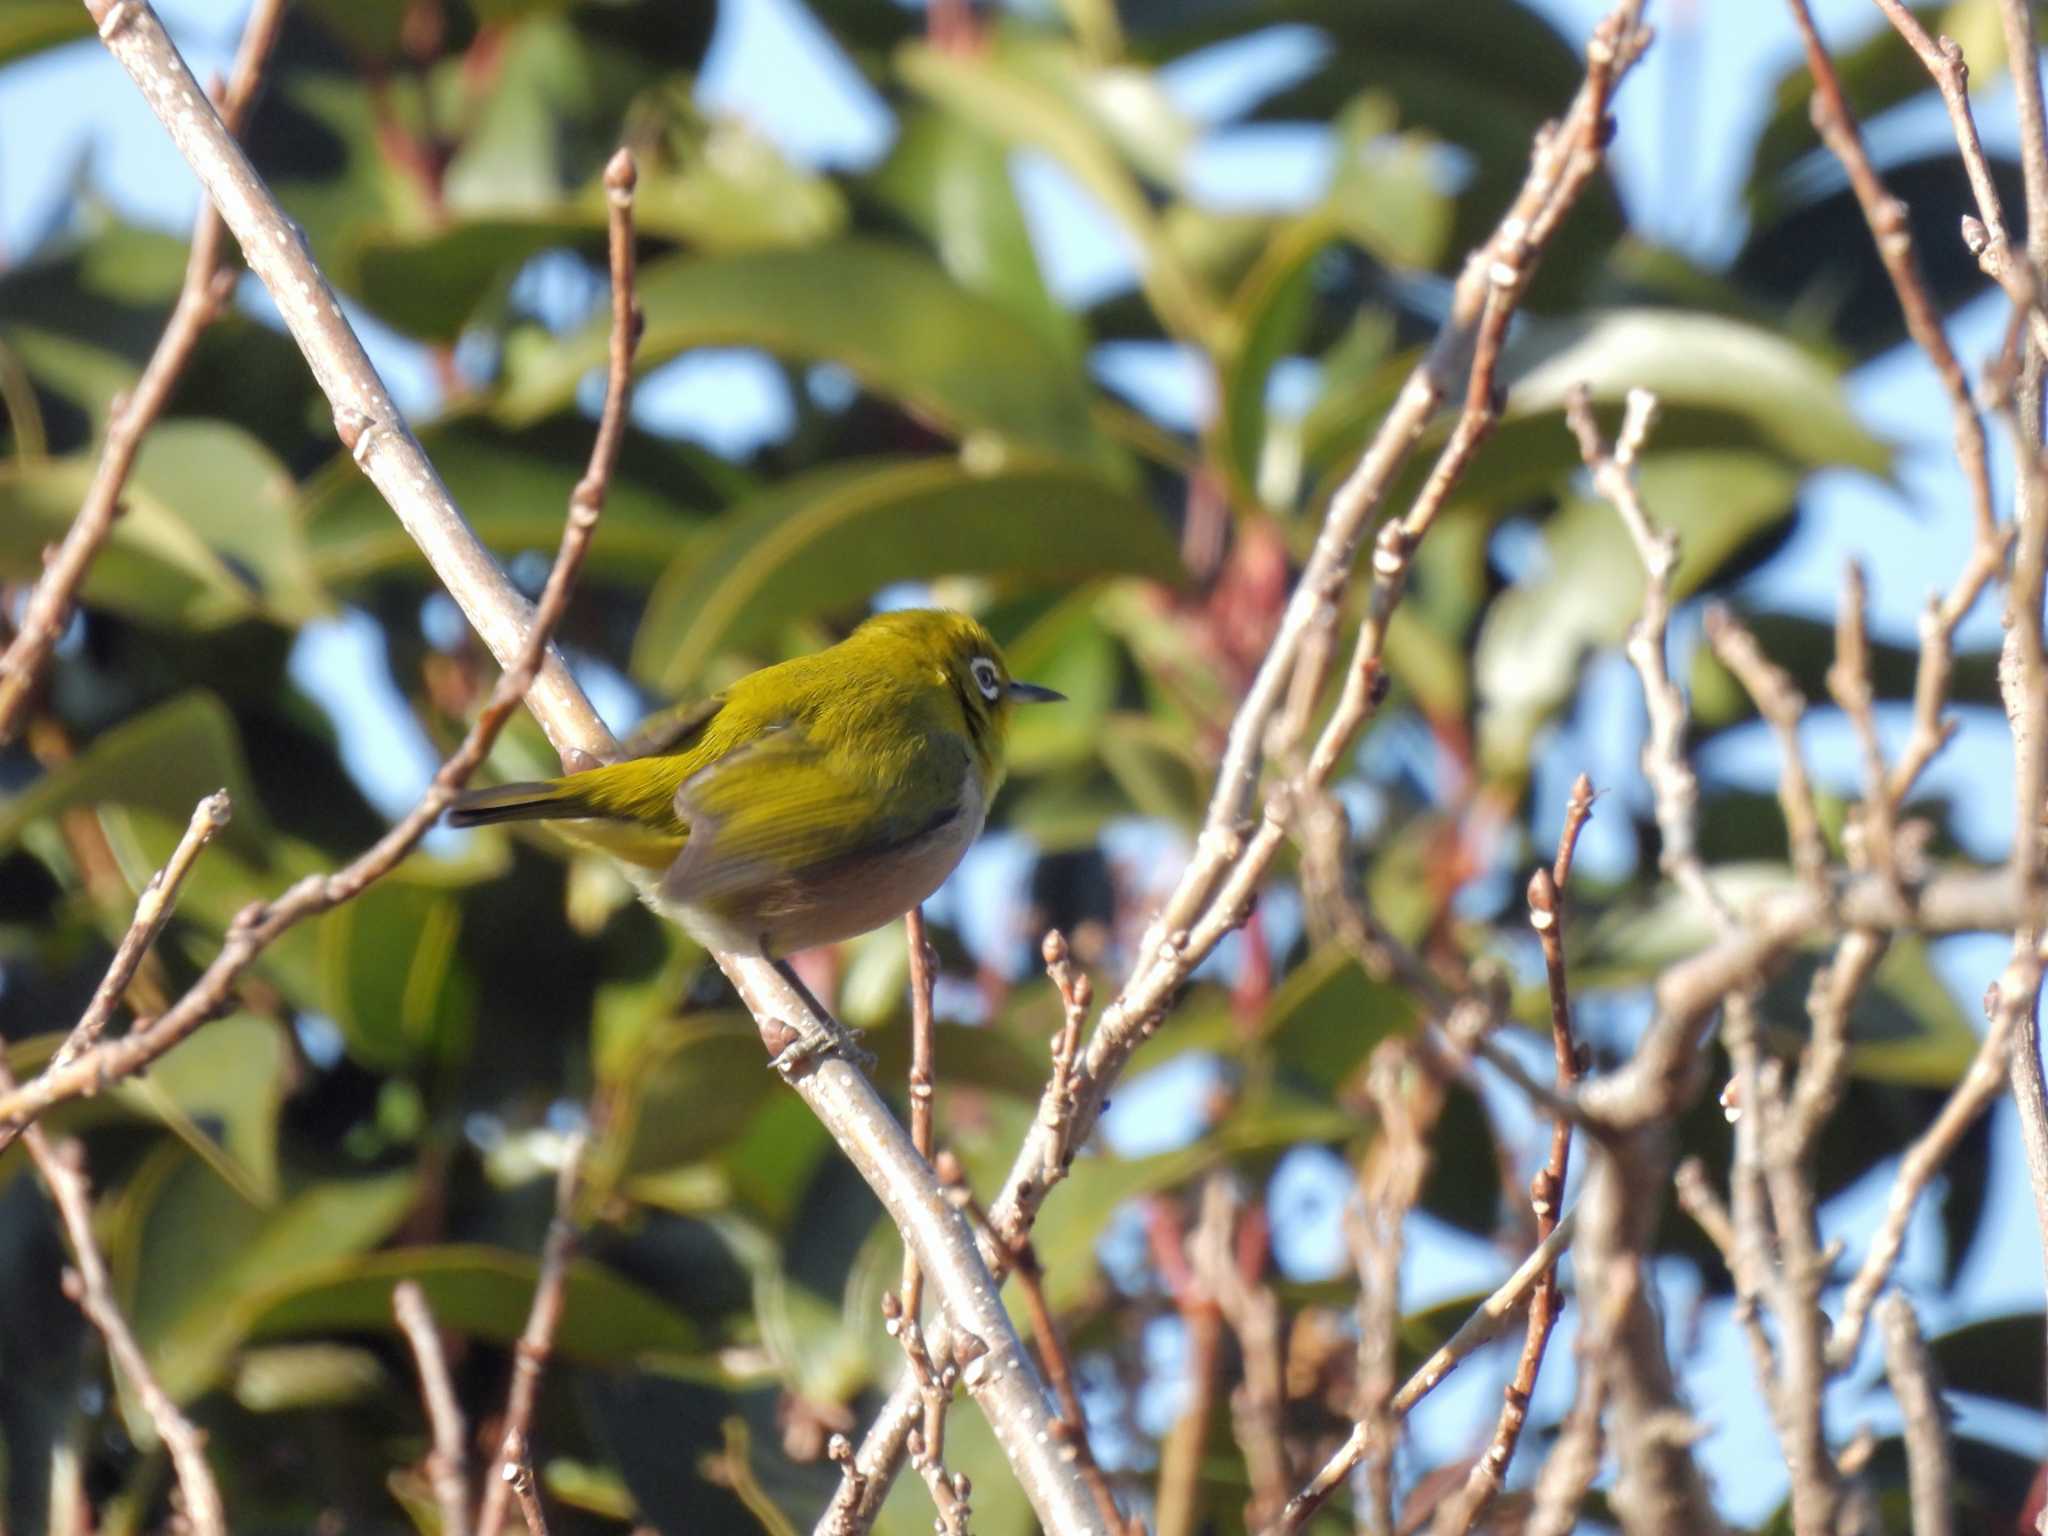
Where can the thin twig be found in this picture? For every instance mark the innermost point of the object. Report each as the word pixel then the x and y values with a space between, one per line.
pixel 1488 1321
pixel 1546 1192
pixel 1849 684
pixel 1980 1085
pixel 447 1463
pixel 1911 1371
pixel 1574 1460
pixel 1177 1498
pixel 1893 236
pixel 1658 1485
pixel 1783 706
pixel 536 1344
pixel 152 910
pixel 927 1442
pixel 515 1474
pixel 1229 1254
pixel 62 1168
pixel 202 296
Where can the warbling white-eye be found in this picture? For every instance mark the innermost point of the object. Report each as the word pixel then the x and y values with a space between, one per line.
pixel 812 800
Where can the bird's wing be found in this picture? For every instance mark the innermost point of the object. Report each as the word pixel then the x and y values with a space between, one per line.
pixel 781 806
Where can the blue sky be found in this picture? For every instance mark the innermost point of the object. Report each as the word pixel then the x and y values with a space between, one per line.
pixel 1686 122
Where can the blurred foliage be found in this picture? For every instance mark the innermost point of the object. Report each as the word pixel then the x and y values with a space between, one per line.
pixel 389 1099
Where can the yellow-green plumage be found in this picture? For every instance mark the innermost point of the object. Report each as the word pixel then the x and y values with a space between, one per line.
pixel 814 799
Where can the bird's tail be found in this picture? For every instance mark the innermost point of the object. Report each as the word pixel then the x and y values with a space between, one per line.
pixel 545 800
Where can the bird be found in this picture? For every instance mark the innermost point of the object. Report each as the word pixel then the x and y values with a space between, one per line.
pixel 811 801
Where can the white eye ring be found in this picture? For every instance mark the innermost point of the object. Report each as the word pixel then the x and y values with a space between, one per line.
pixel 986 678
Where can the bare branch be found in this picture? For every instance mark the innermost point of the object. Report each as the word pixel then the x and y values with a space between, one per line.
pixel 61 1166
pixel 516 1474
pixel 1546 1191
pixel 447 1461
pixel 536 1345
pixel 1487 1322
pixel 1782 705
pixel 152 910
pixel 202 296
pixel 923 965
pixel 1911 1371
pixel 1930 1150
pixel 1886 216
pixel 1574 1459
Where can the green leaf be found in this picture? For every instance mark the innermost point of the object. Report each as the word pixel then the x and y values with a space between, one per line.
pixel 1536 634
pixel 1998 1358
pixel 232 491
pixel 514 488
pixel 889 315
pixel 1793 400
pixel 685 1095
pixel 29 26
pixel 221 1092
pixel 165 762
pixel 824 542
pixel 478 1291
pixel 733 190
pixel 153 567
pixel 1325 1018
pixel 1480 74
pixel 1066 649
pixel 208 532
pixel 434 283
pixel 952 182
pixel 196 1261
pixel 391 974
pixel 288 1378
pixel 1038 93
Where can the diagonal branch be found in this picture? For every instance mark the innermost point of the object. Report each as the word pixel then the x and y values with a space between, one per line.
pixel 203 295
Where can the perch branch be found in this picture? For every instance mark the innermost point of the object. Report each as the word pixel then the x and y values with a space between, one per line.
pixel 370 425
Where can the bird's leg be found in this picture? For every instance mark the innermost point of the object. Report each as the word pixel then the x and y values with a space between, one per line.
pixel 808 1045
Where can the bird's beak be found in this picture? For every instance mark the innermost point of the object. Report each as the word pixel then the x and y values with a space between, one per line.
pixel 1032 693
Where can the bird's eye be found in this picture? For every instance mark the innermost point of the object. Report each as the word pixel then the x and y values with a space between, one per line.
pixel 986 678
